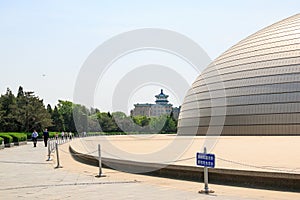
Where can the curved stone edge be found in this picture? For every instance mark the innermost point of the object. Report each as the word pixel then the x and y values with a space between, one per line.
pixel 240 178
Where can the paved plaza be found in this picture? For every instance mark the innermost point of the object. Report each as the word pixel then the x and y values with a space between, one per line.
pixel 25 174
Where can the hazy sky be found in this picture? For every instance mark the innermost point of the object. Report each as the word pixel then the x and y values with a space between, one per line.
pixel 54 38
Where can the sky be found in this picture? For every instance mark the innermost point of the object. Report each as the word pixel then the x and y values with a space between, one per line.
pixel 44 44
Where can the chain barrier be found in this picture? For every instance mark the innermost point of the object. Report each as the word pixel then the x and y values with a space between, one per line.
pixel 70 153
pixel 272 168
pixel 92 153
pixel 53 146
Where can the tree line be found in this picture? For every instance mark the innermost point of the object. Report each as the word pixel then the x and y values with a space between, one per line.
pixel 26 112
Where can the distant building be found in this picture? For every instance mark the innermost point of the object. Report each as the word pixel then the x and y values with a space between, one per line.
pixel 161 107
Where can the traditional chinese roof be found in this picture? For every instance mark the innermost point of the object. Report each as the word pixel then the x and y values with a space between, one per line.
pixel 161 98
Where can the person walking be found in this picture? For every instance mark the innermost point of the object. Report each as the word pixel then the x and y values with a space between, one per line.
pixel 62 135
pixel 46 136
pixel 34 137
pixel 66 136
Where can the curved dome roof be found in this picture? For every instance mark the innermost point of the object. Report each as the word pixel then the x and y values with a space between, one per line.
pixel 251 89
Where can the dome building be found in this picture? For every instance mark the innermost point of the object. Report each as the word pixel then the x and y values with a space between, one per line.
pixel 251 89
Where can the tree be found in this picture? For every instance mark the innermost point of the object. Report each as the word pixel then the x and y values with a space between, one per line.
pixel 2 112
pixel 94 111
pixel 36 115
pixel 157 123
pixel 123 123
pixel 80 115
pixel 58 122
pixel 141 120
pixel 21 111
pixel 141 123
pixel 8 120
pixel 49 109
pixel 93 124
pixel 26 112
pixel 106 122
pixel 119 115
pixel 170 125
pixel 20 92
pixel 65 108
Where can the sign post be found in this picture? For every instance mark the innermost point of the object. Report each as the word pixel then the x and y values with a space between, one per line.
pixel 206 160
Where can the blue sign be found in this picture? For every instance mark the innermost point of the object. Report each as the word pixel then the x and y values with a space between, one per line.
pixel 205 160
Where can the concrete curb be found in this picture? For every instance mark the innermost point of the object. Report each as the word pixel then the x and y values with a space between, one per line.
pixel 2 145
pixel 243 178
pixel 8 145
pixel 20 143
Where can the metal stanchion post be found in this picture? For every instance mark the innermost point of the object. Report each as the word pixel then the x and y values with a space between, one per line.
pixel 57 156
pixel 100 162
pixel 49 150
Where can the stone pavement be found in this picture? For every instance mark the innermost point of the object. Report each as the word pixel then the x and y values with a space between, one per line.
pixel 25 174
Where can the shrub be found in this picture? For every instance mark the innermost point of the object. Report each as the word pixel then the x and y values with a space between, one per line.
pixel 1 139
pixel 52 134
pixel 7 138
pixel 18 137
